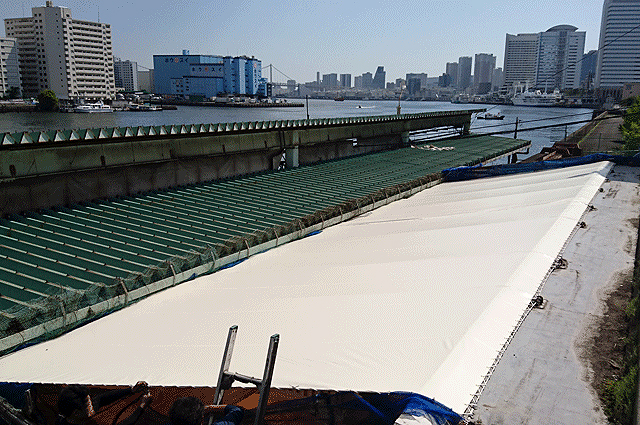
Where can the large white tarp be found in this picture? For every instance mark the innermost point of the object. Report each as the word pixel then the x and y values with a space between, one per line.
pixel 417 296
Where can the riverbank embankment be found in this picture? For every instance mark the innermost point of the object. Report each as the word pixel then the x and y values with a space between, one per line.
pixel 600 135
pixel 17 107
pixel 231 104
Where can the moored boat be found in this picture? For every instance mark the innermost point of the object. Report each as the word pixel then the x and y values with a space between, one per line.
pixel 490 116
pixel 90 108
pixel 537 98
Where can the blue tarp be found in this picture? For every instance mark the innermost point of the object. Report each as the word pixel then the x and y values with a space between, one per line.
pixel 469 173
pixel 348 407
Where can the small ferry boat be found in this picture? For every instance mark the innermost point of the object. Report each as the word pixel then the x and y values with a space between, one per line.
pixel 90 108
pixel 490 116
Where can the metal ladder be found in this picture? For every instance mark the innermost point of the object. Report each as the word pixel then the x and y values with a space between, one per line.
pixel 226 378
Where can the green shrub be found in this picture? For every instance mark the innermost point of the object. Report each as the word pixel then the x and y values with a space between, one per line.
pixel 48 101
pixel 620 398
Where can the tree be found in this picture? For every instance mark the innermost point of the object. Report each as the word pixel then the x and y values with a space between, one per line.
pixel 13 93
pixel 48 101
pixel 631 127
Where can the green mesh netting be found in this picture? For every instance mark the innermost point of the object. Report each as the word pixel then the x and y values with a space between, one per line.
pixel 64 301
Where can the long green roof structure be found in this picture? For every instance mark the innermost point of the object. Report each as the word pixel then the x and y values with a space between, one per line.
pixel 57 262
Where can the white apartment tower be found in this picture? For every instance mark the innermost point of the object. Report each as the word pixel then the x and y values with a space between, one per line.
pixel 126 75
pixel 545 60
pixel 9 70
pixel 559 58
pixel 520 59
pixel 71 57
pixel 619 44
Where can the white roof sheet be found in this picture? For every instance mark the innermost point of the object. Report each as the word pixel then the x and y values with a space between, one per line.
pixel 416 296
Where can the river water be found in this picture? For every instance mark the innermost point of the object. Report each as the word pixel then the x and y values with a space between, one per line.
pixel 527 116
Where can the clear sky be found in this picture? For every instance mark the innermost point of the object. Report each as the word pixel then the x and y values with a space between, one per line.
pixel 302 37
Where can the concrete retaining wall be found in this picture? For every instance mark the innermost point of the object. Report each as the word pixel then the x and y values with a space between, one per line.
pixel 37 175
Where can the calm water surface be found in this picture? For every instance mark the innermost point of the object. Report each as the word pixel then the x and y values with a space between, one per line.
pixel 528 117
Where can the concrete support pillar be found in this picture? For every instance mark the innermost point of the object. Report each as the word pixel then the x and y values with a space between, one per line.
pixel 404 139
pixel 466 128
pixel 292 157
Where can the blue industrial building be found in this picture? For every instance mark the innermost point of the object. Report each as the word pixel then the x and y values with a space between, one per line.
pixel 208 76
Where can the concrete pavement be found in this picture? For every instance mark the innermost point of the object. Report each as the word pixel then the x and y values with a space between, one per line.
pixel 544 376
pixel 604 137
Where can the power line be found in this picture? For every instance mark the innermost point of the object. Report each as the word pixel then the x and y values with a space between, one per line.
pixel 536 120
pixel 495 133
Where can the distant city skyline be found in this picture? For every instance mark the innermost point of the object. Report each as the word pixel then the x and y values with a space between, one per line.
pixel 302 38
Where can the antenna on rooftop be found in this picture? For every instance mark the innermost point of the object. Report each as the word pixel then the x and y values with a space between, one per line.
pixel 98 13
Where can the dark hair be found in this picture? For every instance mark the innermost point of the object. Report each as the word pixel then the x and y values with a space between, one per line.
pixel 186 411
pixel 73 397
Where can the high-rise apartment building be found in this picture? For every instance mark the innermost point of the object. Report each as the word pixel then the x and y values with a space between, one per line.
pixel 71 57
pixel 345 80
pixel 559 58
pixel 9 69
pixel 452 71
pixel 126 74
pixel 520 59
pixel 547 60
pixel 483 69
pixel 367 80
pixel 619 47
pixel 464 72
pixel 330 81
pixel 380 78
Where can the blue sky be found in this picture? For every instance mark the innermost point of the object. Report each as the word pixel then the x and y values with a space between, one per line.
pixel 346 36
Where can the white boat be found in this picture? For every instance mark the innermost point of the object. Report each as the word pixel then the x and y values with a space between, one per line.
pixel 91 108
pixel 490 116
pixel 537 98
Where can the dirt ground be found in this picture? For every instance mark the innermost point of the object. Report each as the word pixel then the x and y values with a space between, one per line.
pixel 605 350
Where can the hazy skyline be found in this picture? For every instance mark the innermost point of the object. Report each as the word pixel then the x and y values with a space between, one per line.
pixel 304 37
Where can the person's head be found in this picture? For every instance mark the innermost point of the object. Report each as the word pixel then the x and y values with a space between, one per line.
pixel 186 411
pixel 74 403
